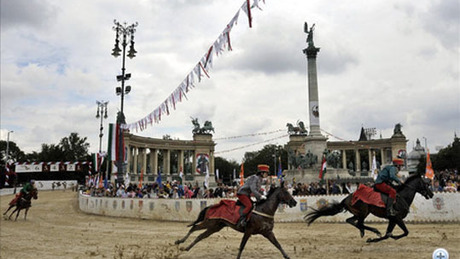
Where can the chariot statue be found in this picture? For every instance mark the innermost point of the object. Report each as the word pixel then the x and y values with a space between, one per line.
pixel 206 129
pixel 297 130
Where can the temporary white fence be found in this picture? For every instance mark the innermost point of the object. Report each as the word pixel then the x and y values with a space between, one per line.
pixel 44 185
pixel 444 207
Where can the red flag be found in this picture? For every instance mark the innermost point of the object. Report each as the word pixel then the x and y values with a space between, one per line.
pixel 100 184
pixel 429 173
pixel 242 175
pixel 323 168
pixel 141 179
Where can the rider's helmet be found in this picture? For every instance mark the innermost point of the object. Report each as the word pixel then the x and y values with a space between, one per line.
pixel 398 162
pixel 32 181
pixel 261 169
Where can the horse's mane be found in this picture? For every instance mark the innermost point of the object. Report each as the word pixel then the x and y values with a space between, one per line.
pixel 270 193
pixel 272 190
pixel 411 178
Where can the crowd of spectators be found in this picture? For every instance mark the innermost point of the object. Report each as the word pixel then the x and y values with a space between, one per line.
pixel 176 190
pixel 444 181
pixel 168 189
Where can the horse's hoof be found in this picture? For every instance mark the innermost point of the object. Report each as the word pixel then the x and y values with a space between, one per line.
pixel 370 240
pixel 182 249
pixel 177 242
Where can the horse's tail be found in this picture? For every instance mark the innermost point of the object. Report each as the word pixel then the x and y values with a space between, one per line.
pixel 328 210
pixel 200 218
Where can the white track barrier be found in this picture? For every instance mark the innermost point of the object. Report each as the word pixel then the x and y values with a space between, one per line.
pixel 44 185
pixel 443 207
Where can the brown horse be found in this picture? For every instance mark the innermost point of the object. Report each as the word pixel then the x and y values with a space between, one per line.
pixel 360 210
pixel 261 221
pixel 25 202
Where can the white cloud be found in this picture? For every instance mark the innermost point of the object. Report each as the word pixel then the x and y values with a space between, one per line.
pixel 380 63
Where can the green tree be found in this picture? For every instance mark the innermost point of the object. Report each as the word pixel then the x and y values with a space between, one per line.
pixel 15 153
pixel 226 168
pixel 446 158
pixel 50 153
pixel 449 157
pixel 266 155
pixel 74 148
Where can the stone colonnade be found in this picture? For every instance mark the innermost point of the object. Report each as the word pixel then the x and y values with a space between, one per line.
pixel 149 156
pixel 388 149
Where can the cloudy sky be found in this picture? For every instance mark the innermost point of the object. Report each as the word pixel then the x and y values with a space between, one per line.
pixel 381 63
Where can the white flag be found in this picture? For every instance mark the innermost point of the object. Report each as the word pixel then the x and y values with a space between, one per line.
pixel 374 167
pixel 206 178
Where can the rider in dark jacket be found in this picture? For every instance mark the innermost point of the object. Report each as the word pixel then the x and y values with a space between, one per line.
pixel 383 183
pixel 252 186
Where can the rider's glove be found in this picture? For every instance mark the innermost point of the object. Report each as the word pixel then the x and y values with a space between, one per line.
pixel 263 197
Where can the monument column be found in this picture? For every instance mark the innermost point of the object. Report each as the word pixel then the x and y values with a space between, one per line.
pixel 315 142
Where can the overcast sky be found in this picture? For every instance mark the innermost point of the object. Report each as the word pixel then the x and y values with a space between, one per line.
pixel 380 63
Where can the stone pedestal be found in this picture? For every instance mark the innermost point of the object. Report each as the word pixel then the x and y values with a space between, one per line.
pixel 312 175
pixel 316 145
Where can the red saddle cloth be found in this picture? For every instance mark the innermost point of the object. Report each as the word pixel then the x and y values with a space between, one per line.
pixel 367 195
pixel 14 200
pixel 226 210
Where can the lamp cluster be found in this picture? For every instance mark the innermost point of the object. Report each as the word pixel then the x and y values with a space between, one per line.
pixel 122 33
pixel 126 31
pixel 101 109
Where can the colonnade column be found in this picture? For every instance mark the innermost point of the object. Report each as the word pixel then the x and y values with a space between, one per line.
pixel 181 161
pixel 135 154
pixel 154 161
pixel 144 160
pixel 129 159
pixel 358 160
pixel 194 164
pixel 166 162
pixel 344 159
pixel 371 155
pixel 211 163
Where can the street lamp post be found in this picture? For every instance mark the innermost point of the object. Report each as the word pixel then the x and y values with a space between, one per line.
pixel 101 113
pixel 274 160
pixel 8 146
pixel 426 148
pixel 125 31
pixel 8 156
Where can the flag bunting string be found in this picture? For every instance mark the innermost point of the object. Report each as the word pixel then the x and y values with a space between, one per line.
pixel 201 69
pixel 250 135
pixel 250 145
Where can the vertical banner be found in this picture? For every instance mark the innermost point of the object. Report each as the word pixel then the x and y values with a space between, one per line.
pixel 202 162
pixel 314 113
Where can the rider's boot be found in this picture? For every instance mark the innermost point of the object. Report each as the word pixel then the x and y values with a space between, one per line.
pixel 391 212
pixel 242 222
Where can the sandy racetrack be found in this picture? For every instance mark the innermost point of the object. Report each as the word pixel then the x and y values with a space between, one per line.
pixel 55 228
